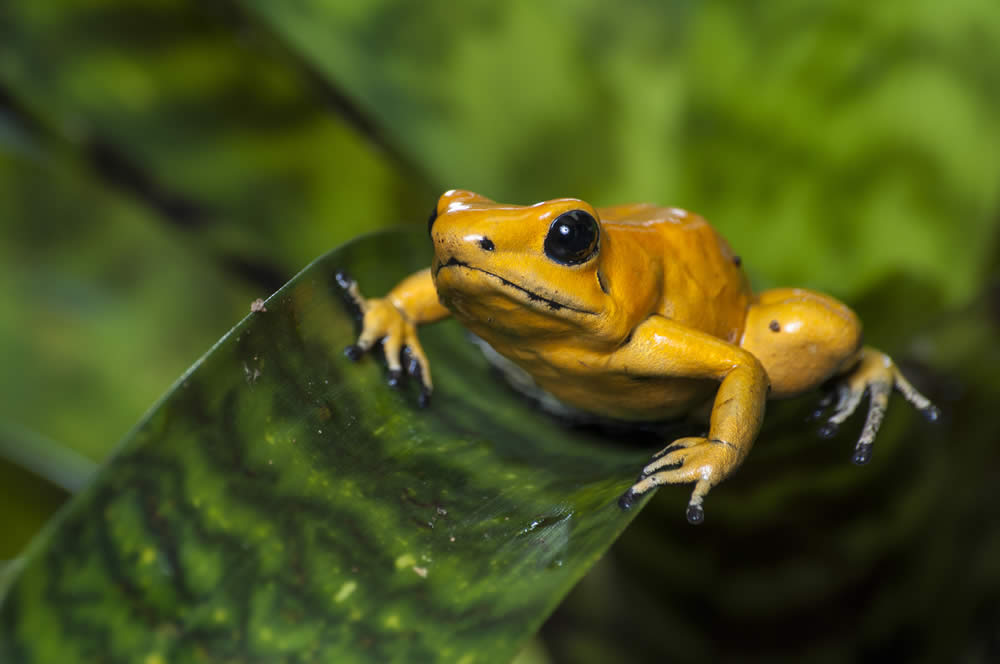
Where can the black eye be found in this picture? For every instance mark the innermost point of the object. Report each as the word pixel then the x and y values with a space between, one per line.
pixel 572 238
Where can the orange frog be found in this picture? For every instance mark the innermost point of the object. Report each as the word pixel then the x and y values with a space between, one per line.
pixel 637 313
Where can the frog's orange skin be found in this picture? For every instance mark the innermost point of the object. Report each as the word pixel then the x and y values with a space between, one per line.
pixel 656 321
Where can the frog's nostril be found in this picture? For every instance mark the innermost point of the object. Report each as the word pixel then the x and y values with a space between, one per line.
pixel 486 244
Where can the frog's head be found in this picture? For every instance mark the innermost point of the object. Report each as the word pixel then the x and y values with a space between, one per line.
pixel 521 271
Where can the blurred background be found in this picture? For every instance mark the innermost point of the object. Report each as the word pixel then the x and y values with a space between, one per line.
pixel 165 162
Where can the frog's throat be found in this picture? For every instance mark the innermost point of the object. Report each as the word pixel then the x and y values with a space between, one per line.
pixel 532 296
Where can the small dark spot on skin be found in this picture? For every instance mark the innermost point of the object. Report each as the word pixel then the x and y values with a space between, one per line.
pixel 486 244
pixel 774 326
pixel 737 261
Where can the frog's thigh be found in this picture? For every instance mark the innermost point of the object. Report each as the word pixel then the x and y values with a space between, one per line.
pixel 801 337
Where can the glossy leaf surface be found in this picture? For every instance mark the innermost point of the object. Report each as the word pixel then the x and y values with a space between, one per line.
pixel 283 503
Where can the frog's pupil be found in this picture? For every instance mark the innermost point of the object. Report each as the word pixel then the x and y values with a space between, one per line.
pixel 572 238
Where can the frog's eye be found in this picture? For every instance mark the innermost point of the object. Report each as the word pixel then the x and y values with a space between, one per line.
pixel 572 238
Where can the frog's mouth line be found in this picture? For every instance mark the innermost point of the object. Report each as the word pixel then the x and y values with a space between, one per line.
pixel 532 296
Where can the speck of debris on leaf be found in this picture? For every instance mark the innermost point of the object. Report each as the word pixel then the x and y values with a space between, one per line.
pixel 257 306
pixel 421 571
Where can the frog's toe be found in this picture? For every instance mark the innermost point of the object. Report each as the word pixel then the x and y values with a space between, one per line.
pixel 875 375
pixel 668 459
pixel 703 452
pixel 878 401
pixel 627 499
pixel 695 512
pixel 847 400
pixel 395 379
pixel 418 370
pixel 822 405
pixel 418 366
pixel 351 292
pixel 931 412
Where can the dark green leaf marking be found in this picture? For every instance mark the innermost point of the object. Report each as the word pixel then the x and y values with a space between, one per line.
pixel 281 504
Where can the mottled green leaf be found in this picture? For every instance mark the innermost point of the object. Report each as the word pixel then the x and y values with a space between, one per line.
pixel 282 503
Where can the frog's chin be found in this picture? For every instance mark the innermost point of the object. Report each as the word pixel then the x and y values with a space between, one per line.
pixel 522 294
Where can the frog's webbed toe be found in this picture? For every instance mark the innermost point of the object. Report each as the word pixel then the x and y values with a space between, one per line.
pixel 877 375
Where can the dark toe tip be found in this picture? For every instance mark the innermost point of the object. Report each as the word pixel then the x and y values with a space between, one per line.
pixel 343 279
pixel 353 352
pixel 932 413
pixel 695 514
pixel 862 455
pixel 395 378
pixel 627 500
pixel 828 430
pixel 424 399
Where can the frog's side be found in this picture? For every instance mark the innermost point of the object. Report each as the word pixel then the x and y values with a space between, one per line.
pixel 634 312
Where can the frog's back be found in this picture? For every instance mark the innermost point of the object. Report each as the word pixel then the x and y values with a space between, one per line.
pixel 703 283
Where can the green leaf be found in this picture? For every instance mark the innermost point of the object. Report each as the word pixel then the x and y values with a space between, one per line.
pixel 283 503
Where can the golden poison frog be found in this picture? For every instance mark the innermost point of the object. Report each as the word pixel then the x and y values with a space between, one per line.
pixel 637 313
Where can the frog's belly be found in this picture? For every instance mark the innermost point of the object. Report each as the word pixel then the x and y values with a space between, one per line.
pixel 614 396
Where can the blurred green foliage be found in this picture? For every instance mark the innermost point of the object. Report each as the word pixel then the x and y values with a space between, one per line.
pixel 164 162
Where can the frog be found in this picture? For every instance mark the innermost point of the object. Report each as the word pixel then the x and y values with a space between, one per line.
pixel 635 313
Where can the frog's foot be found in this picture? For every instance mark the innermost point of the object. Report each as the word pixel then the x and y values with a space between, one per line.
pixel 383 322
pixel 704 461
pixel 876 374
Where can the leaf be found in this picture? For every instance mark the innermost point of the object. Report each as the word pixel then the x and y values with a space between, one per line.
pixel 283 503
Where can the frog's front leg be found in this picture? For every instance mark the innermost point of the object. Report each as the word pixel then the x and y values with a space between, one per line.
pixel 393 320
pixel 661 347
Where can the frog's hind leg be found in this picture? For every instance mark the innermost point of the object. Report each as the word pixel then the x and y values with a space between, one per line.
pixel 804 338
pixel 876 373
